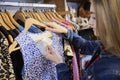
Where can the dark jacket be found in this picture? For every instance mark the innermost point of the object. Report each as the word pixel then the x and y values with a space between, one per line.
pixel 106 68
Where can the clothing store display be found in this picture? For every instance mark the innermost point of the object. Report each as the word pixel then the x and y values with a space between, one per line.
pixel 6 67
pixel 26 61
pixel 35 65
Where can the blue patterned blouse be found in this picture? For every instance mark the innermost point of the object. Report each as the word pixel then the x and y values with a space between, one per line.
pixel 36 67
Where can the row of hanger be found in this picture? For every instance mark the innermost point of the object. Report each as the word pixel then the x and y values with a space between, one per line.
pixel 44 15
pixel 41 16
pixel 9 22
pixel 28 23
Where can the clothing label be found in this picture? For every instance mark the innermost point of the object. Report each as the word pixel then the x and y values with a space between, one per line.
pixel 43 44
pixel 84 60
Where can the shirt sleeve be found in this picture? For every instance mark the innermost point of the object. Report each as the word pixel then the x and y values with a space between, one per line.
pixel 86 46
pixel 63 71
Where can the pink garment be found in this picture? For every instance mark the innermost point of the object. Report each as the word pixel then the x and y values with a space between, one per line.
pixel 75 66
pixel 58 22
pixel 66 23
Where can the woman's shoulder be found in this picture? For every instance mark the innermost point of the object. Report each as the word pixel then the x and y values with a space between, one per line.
pixel 108 59
pixel 107 67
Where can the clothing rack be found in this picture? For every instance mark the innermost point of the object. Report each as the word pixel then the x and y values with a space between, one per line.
pixel 18 4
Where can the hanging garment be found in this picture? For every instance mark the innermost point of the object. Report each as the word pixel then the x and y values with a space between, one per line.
pixel 6 68
pixel 16 56
pixel 87 34
pixel 76 75
pixel 32 29
pixel 5 32
pixel 36 67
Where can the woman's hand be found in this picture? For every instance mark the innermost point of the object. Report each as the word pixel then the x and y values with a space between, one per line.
pixel 54 27
pixel 52 55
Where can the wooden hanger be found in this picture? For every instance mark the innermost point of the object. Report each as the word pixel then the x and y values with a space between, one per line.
pixel 39 19
pixel 23 12
pixel 19 15
pixel 34 16
pixel 12 47
pixel 49 17
pixel 5 20
pixel 9 21
pixel 59 16
pixel 30 14
pixel 53 15
pixel 12 19
pixel 3 23
pixel 28 23
pixel 56 15
pixel 26 12
pixel 42 15
pixel 7 28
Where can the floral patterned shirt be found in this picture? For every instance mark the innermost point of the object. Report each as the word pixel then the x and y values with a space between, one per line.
pixel 36 67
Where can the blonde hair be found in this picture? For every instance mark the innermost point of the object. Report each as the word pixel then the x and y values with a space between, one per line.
pixel 108 24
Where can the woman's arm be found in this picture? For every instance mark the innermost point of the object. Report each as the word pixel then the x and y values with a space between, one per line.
pixel 63 71
pixel 78 42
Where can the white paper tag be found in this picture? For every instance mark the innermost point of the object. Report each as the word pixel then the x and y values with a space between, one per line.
pixel 43 44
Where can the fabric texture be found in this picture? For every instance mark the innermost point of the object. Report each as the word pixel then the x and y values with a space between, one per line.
pixel 6 68
pixel 36 67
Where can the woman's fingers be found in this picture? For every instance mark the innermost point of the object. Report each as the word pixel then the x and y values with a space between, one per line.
pixel 52 55
pixel 50 48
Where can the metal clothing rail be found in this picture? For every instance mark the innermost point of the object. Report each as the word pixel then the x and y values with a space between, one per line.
pixel 17 4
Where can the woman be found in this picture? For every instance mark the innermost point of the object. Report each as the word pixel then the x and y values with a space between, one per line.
pixel 108 30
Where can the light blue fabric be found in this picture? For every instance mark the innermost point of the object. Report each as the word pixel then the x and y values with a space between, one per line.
pixel 32 29
pixel 21 28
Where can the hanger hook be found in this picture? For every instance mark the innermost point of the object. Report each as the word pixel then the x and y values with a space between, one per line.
pixel 21 8
pixel 53 9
